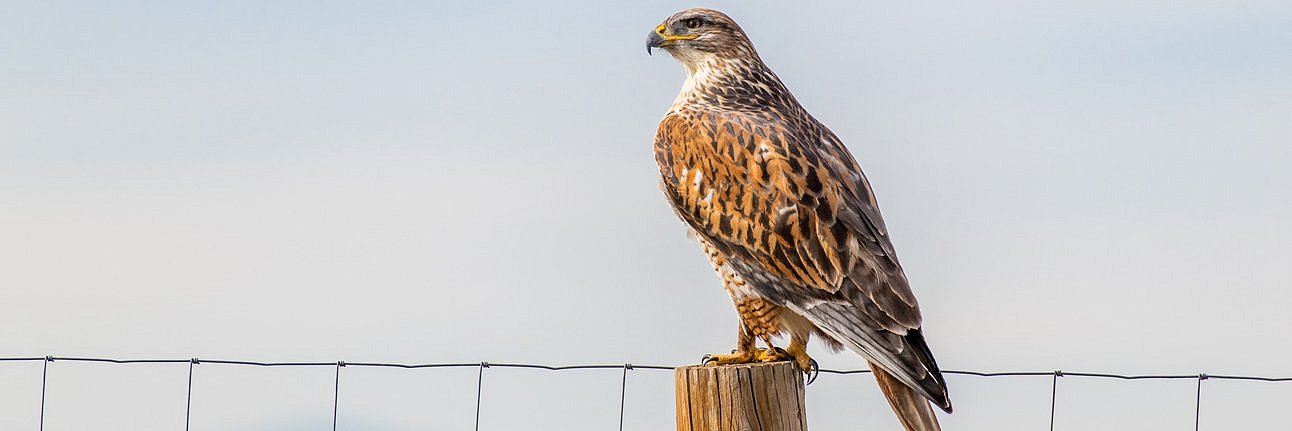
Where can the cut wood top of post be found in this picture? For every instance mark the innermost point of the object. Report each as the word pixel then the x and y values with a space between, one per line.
pixel 764 396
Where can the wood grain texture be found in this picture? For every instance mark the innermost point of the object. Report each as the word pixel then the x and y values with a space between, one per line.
pixel 742 397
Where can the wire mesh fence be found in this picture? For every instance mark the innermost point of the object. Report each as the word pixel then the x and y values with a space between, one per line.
pixel 626 368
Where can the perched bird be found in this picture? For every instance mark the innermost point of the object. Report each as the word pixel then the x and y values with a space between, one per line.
pixel 786 217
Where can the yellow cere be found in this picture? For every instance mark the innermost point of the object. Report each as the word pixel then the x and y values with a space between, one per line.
pixel 668 37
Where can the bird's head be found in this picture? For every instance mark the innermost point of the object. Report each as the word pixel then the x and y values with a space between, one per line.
pixel 697 36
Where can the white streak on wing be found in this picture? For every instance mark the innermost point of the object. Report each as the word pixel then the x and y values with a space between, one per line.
pixel 808 304
pixel 783 211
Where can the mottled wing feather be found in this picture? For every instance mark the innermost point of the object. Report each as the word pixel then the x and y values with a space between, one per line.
pixel 797 205
pixel 789 202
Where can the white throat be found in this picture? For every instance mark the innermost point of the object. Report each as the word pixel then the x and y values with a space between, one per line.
pixel 698 74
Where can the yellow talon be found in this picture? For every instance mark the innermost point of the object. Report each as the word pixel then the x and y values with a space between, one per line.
pixel 797 351
pixel 772 355
pixel 738 357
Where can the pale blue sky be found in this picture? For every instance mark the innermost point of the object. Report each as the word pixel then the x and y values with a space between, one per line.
pixel 1093 186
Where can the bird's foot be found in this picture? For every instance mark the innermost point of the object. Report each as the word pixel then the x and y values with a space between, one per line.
pixel 804 362
pixel 748 357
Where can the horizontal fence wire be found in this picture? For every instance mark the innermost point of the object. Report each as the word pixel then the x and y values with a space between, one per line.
pixel 629 366
pixel 481 366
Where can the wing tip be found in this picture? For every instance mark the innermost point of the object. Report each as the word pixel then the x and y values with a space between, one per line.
pixel 935 391
pixel 945 405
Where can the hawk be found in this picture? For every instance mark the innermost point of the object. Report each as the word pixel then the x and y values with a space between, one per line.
pixel 786 217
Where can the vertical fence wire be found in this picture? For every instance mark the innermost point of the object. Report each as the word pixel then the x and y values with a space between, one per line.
pixel 336 392
pixel 1197 402
pixel 188 399
pixel 623 394
pixel 1054 390
pixel 44 373
pixel 479 390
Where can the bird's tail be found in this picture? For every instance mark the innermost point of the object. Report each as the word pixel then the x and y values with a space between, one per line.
pixel 912 409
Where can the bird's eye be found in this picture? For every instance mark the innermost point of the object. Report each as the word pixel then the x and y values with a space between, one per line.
pixel 693 23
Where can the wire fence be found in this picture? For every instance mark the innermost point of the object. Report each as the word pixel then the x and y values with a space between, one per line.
pixel 481 366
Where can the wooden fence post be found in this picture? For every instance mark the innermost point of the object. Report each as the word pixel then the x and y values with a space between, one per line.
pixel 744 397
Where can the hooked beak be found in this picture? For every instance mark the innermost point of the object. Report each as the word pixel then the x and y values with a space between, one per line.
pixel 654 41
pixel 660 39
